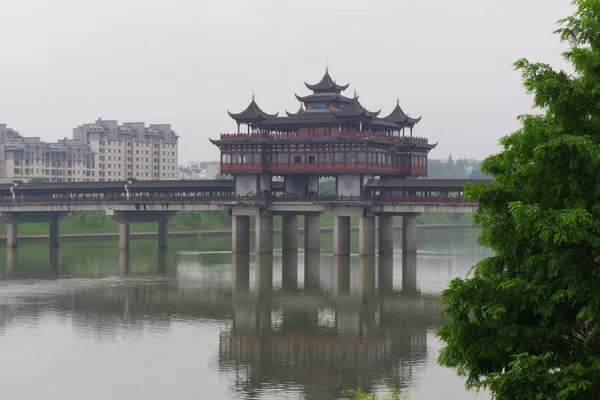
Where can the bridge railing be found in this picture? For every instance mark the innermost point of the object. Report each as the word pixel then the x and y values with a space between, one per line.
pixel 237 199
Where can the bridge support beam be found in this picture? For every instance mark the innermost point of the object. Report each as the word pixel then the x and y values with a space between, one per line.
pixel 124 218
pixel 123 235
pixel 240 234
pixel 409 233
pixel 341 275
pixel 386 234
pixel 312 232
pixel 289 238
pixel 13 219
pixel 11 234
pixel 341 236
pixel 366 236
pixel 264 234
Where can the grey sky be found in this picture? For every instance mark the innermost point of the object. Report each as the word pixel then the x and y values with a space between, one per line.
pixel 186 62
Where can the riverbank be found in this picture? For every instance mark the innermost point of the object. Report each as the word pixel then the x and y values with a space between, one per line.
pixel 186 233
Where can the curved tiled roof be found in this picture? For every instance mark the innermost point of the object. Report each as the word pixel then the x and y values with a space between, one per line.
pixel 398 116
pixel 326 85
pixel 252 113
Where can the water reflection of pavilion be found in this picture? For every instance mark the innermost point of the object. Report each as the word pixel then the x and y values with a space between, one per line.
pixel 319 339
pixel 326 341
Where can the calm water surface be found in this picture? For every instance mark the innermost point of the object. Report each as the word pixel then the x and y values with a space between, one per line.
pixel 194 322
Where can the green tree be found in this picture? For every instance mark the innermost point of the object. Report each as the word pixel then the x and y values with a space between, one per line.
pixel 525 323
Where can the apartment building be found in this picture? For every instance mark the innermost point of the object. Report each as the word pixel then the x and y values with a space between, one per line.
pixel 24 158
pixel 131 150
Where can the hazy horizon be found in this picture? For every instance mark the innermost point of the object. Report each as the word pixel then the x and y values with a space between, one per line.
pixel 69 62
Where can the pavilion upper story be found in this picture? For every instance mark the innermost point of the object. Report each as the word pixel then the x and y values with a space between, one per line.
pixel 329 134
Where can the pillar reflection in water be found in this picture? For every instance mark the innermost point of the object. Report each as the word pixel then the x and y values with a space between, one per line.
pixel 312 271
pixel 409 272
pixel 289 270
pixel 341 275
pixel 385 274
pixel 124 262
pixel 366 277
pixel 240 279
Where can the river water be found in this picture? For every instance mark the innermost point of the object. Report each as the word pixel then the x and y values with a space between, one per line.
pixel 90 322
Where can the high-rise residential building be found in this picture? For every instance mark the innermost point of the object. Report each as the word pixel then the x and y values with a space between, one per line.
pixel 24 158
pixel 131 150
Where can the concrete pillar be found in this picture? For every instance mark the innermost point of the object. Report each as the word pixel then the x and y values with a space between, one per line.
pixel 11 262
pixel 312 271
pixel 366 236
pixel 264 274
pixel 341 236
pixel 386 234
pixel 409 233
pixel 11 234
pixel 54 258
pixel 54 231
pixel 162 260
pixel 240 234
pixel 124 235
pixel 264 234
pixel 289 271
pixel 386 274
pixel 124 262
pixel 289 238
pixel 240 272
pixel 341 274
pixel 163 232
pixel 312 232
pixel 366 277
pixel 409 273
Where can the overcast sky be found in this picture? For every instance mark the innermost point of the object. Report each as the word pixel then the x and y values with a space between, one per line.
pixel 186 62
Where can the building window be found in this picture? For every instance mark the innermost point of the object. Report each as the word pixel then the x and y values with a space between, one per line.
pixel 361 157
pixel 247 158
pixel 256 158
pixel 351 157
pixel 339 157
pixel 328 157
pixel 283 159
pixel 237 159
pixel 298 159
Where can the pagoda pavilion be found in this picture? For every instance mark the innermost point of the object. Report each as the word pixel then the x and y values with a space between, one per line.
pixel 330 135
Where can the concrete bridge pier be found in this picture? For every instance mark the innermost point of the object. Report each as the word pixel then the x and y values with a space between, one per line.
pixel 289 270
pixel 124 262
pixel 409 233
pixel 366 277
pixel 385 235
pixel 341 275
pixel 289 234
pixel 264 274
pixel 341 236
pixel 312 232
pixel 13 219
pixel 263 234
pixel 409 273
pixel 124 218
pixel 11 262
pixel 240 234
pixel 240 276
pixel 366 236
pixel 385 274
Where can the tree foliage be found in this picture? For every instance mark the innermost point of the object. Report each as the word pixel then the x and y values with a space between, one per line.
pixel 525 323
